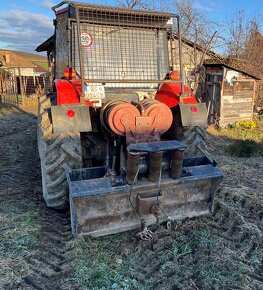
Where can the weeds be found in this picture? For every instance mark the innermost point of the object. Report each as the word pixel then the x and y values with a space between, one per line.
pixel 19 225
pixel 19 222
pixel 100 265
pixel 245 148
pixel 241 130
pixel 248 124
pixel 245 138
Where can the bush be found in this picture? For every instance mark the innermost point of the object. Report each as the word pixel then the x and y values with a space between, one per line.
pixel 249 124
pixel 245 148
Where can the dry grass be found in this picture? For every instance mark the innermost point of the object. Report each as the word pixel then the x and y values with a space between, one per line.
pixel 18 226
pixel 222 252
pixel 239 133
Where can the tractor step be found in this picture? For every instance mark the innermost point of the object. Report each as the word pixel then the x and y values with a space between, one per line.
pixel 101 204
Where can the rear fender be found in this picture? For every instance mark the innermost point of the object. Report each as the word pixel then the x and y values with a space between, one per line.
pixel 170 93
pixel 68 92
pixel 194 115
pixel 71 118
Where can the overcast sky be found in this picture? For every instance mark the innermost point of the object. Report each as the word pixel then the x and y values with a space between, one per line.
pixel 24 24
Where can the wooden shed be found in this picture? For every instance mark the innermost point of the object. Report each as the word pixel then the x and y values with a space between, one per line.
pixel 230 94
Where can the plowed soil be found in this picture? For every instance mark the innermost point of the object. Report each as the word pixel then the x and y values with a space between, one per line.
pixel 37 251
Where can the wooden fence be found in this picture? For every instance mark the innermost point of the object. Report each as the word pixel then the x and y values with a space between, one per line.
pixel 15 89
pixel 8 88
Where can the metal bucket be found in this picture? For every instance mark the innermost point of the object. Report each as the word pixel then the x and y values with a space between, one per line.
pixel 101 205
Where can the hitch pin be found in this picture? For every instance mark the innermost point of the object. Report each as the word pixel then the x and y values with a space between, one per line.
pixel 156 211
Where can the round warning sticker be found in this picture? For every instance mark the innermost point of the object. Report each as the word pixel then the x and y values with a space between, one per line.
pixel 86 39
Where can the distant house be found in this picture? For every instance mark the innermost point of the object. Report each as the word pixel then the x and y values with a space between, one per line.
pixel 28 70
pixel 229 86
pixel 230 92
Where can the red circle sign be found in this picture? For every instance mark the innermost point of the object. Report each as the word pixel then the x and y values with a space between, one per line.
pixel 70 113
pixel 86 39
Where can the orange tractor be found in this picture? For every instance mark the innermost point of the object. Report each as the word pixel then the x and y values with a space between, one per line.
pixel 113 136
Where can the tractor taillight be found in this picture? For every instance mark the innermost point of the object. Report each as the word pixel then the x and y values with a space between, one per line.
pixel 175 75
pixel 194 109
pixel 70 113
pixel 69 73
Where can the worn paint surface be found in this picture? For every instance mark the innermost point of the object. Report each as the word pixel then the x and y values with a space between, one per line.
pixel 231 93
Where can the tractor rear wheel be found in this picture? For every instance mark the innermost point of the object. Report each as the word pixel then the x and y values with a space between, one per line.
pixel 194 137
pixel 58 154
pixel 196 140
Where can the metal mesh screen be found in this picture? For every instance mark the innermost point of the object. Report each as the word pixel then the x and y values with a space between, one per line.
pixel 125 48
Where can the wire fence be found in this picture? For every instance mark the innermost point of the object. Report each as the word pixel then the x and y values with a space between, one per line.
pixel 15 89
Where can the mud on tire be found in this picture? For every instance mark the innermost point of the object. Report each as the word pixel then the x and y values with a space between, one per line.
pixel 58 154
pixel 195 138
pixel 197 141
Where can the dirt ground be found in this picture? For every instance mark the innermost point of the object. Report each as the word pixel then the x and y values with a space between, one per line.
pixel 37 251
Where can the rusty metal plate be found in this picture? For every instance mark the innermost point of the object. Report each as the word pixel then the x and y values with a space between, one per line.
pixel 194 115
pixel 145 204
pixel 71 118
pixel 113 95
pixel 159 146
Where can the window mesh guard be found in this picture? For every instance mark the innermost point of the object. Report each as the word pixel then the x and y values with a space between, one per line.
pixel 121 49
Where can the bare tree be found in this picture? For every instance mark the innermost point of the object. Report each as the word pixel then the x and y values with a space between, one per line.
pixel 253 55
pixel 238 31
pixel 253 48
pixel 195 26
pixel 245 47
pixel 202 33
pixel 137 4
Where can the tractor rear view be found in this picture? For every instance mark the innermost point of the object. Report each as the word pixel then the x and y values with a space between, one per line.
pixel 113 137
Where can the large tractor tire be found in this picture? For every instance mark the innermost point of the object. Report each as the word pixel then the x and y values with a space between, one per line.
pixel 196 140
pixel 58 154
pixel 194 137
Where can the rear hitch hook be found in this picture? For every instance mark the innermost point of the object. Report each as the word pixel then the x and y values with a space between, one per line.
pixel 145 234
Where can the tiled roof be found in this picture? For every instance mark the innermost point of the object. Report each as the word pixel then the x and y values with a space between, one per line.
pixel 18 59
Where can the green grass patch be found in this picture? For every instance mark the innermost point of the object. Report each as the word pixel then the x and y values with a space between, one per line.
pixel 43 64
pixel 245 130
pixel 245 148
pixel 18 225
pixel 16 242
pixel 198 256
pixel 246 138
pixel 192 257
pixel 101 265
